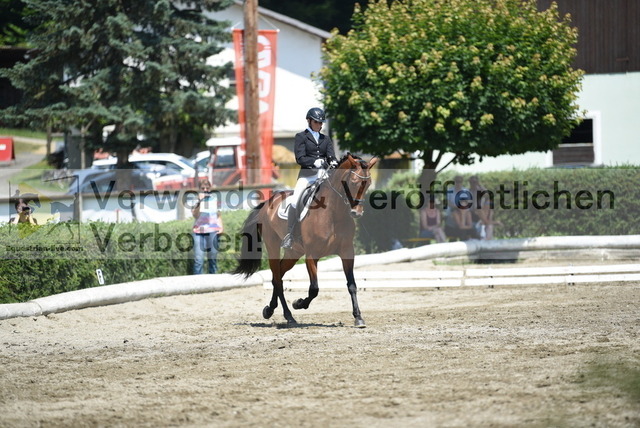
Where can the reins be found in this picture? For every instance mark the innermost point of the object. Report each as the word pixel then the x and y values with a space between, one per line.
pixel 345 198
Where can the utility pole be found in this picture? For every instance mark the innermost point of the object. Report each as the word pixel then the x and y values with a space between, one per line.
pixel 252 111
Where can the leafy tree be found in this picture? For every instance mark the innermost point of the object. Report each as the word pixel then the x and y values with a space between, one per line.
pixel 138 65
pixel 325 14
pixel 484 77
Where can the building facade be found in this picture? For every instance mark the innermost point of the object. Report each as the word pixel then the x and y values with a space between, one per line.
pixel 299 56
pixel 609 53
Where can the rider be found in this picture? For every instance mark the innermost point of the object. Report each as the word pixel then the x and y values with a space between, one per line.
pixel 313 151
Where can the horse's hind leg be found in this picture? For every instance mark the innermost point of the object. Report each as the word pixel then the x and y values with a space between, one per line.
pixel 278 269
pixel 312 268
pixel 347 266
pixel 267 311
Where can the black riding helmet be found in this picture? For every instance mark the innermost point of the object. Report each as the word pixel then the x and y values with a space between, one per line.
pixel 316 114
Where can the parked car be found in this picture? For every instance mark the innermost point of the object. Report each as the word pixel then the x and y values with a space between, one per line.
pixel 226 161
pixel 181 171
pixel 99 181
pixel 168 160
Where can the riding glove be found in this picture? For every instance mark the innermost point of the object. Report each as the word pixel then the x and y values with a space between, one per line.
pixel 319 163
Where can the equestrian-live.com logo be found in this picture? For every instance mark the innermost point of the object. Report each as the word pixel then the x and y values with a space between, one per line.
pixel 40 221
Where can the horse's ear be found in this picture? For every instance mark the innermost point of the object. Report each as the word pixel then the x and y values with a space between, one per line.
pixel 373 161
pixel 351 160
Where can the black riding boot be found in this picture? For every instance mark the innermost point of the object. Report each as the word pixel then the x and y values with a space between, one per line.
pixel 287 241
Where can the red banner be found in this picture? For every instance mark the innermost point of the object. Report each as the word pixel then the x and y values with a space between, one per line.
pixel 267 40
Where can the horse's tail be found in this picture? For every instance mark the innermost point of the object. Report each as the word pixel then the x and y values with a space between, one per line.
pixel 251 251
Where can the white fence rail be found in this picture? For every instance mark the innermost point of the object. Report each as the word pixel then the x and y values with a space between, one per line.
pixel 472 277
pixel 331 276
pixel 328 278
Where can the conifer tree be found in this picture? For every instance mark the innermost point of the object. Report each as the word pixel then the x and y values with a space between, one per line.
pixel 139 66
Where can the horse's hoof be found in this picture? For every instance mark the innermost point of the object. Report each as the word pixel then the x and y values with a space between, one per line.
pixel 359 323
pixel 299 304
pixel 267 312
pixel 292 322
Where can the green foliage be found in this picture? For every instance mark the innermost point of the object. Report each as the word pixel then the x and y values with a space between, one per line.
pixel 388 214
pixel 485 77
pixel 385 223
pixel 13 28
pixel 581 202
pixel 140 66
pixel 45 260
pixel 37 261
pixel 530 203
pixel 325 14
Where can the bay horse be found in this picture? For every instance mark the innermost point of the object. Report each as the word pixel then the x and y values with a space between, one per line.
pixel 327 229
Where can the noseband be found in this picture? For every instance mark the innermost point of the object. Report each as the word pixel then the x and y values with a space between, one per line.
pixel 362 177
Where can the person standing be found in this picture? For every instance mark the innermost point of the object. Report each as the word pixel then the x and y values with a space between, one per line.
pixel 206 228
pixel 314 151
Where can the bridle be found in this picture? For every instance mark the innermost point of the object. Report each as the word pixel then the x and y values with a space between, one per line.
pixel 344 197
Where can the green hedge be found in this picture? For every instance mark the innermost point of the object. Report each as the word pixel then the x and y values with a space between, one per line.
pixel 590 201
pixel 50 259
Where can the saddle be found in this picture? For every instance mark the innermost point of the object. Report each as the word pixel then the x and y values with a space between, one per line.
pixel 306 199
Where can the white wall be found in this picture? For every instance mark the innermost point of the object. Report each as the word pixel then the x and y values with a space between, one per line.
pixel 298 56
pixel 616 97
pixel 613 101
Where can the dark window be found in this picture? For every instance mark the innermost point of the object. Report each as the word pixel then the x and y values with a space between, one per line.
pixel 577 148
pixel 225 157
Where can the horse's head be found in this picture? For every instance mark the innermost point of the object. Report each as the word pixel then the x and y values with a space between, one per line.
pixel 355 180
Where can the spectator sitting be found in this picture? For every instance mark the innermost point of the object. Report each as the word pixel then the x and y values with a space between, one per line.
pixel 456 193
pixel 99 153
pixel 481 210
pixel 458 224
pixel 430 221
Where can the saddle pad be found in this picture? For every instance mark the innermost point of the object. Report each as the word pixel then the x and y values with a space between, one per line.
pixel 283 209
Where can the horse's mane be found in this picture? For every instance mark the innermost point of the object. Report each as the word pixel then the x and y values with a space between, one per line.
pixel 358 158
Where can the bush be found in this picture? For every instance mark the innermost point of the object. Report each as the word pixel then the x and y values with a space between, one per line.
pixel 50 259
pixel 534 202
pixel 580 201
pixel 387 218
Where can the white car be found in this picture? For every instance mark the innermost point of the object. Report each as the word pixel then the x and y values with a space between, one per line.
pixel 171 161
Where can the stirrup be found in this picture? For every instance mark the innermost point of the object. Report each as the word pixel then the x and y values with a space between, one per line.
pixel 287 242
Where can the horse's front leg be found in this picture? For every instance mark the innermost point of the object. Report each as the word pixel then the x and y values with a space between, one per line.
pixel 347 266
pixel 312 269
